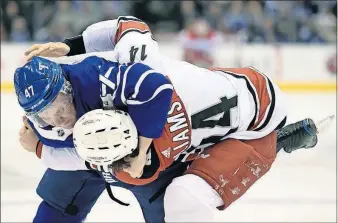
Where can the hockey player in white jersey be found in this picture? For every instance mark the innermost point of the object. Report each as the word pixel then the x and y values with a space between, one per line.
pixel 236 119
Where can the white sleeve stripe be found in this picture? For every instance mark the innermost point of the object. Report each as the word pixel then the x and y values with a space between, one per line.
pixel 123 97
pixel 107 82
pixel 139 82
pixel 104 86
pixel 104 89
pixel 107 74
pixel 158 90
pixel 118 76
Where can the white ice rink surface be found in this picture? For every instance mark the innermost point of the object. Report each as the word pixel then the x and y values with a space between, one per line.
pixel 300 186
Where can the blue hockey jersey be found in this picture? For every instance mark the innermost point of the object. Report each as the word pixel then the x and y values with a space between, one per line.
pixel 136 88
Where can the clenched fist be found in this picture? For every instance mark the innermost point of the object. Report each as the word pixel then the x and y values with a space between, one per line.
pixel 27 137
pixel 51 49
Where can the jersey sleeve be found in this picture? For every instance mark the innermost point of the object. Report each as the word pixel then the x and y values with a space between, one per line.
pixel 105 35
pixel 130 37
pixel 147 95
pixel 62 159
pixel 131 25
pixel 100 36
pixel 145 92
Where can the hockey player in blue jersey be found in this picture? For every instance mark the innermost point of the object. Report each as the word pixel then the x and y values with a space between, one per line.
pixel 62 203
pixel 77 90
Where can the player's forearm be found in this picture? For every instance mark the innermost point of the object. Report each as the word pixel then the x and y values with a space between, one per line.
pixel 144 144
pixel 138 163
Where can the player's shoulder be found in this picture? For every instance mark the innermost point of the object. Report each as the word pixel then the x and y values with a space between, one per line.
pixel 81 72
pixel 87 64
pixel 138 67
pixel 91 60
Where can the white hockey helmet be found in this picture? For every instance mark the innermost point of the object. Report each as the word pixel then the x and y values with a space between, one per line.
pixel 104 136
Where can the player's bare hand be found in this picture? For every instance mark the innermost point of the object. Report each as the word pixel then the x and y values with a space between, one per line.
pixel 51 49
pixel 27 137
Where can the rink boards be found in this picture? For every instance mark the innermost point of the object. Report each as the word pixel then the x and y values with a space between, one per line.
pixel 296 68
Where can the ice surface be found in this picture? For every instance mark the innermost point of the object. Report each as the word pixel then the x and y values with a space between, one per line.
pixel 300 186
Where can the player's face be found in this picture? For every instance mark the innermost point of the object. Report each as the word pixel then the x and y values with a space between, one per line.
pixel 136 165
pixel 61 113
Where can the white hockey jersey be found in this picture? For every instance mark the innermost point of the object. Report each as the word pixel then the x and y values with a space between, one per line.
pixel 216 104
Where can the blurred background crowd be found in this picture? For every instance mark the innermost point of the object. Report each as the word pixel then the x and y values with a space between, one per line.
pixel 247 21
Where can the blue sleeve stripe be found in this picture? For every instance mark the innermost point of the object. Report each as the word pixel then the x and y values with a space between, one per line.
pixel 139 82
pixel 158 90
pixel 123 97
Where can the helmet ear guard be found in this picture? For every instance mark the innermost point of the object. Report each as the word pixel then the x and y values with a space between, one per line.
pixel 102 137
